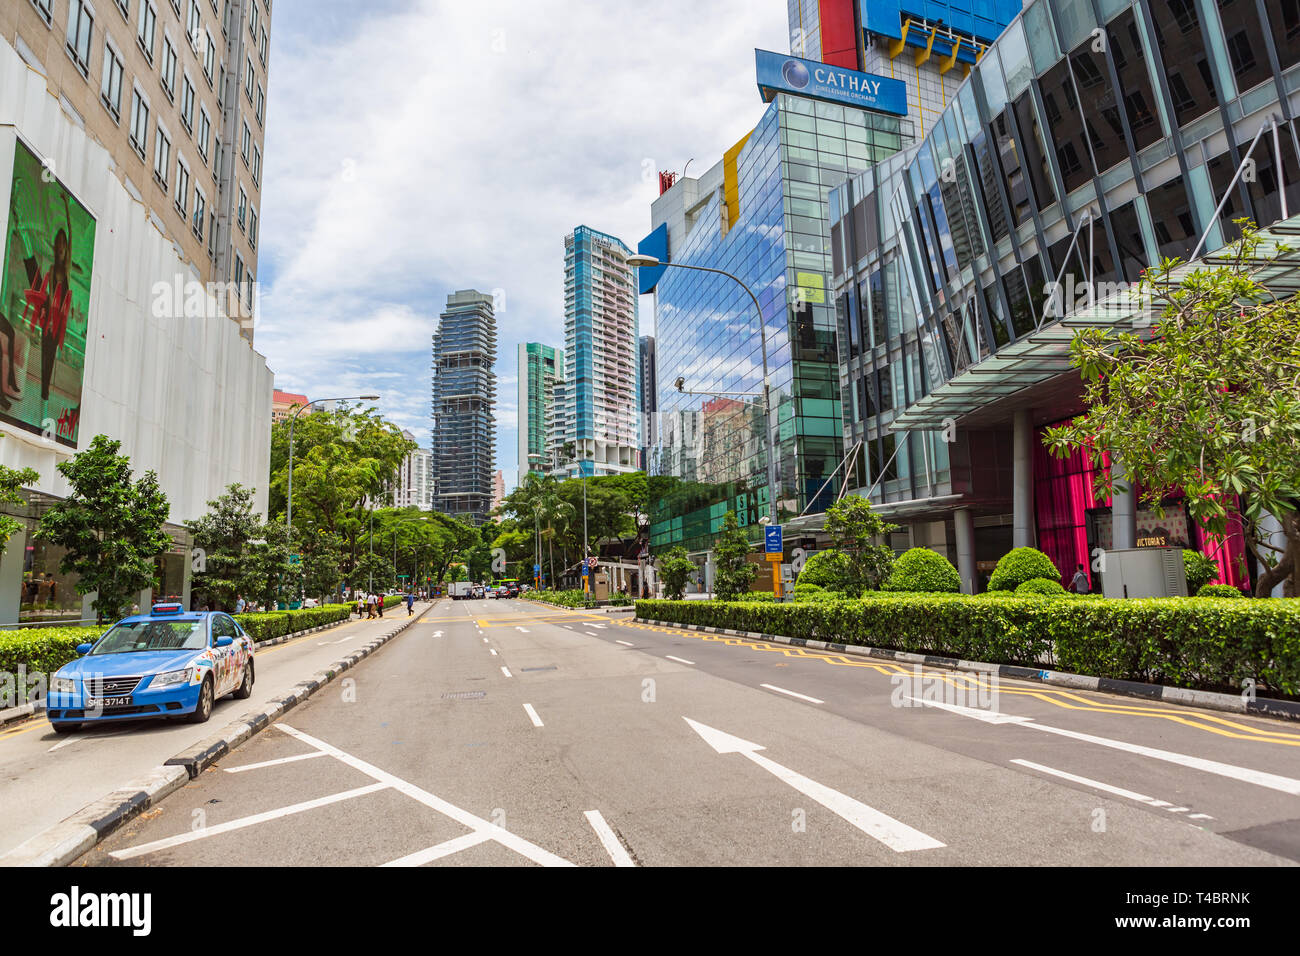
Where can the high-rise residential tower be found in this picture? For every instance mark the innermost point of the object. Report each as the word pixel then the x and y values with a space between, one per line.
pixel 464 392
pixel 647 396
pixel 176 93
pixel 600 328
pixel 415 479
pixel 540 367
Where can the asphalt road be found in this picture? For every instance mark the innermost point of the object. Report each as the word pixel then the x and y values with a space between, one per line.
pixel 45 777
pixel 500 732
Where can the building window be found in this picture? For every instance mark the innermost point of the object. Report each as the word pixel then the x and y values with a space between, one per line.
pixel 257 166
pixel 261 46
pixel 239 270
pixel 252 228
pixel 182 188
pixel 200 214
pixel 248 291
pixel 139 122
pixel 241 212
pixel 205 132
pixel 187 104
pixel 248 80
pixel 45 9
pixel 261 103
pixel 169 68
pixel 194 24
pixel 125 7
pixel 162 155
pixel 244 143
pixel 111 90
pixel 252 19
pixel 209 59
pixel 81 23
pixel 146 28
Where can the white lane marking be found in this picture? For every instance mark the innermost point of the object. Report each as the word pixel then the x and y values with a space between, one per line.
pixel 464 817
pixel 484 639
pixel 339 641
pixel 218 829
pixel 608 840
pixel 624 643
pixel 505 670
pixel 1246 775
pixel 273 763
pixel 791 693
pixel 441 850
pixel 598 625
pixel 894 834
pixel 79 738
pixel 522 630
pixel 1108 788
pixel 437 633
pixel 679 660
pixel 1200 816
pixel 532 715
pixel 492 651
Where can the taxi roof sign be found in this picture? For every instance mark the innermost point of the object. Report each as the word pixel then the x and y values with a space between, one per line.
pixel 168 608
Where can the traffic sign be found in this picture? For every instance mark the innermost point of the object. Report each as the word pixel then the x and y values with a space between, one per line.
pixel 537 569
pixel 584 570
pixel 772 542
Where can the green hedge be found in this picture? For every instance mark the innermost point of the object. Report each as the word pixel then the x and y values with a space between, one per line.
pixel 562 598
pixel 1048 587
pixel 920 569
pixel 1020 565
pixel 42 650
pixel 1186 642
pixel 272 624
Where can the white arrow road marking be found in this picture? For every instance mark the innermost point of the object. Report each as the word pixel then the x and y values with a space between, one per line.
pixel 598 625
pixel 1117 791
pixel 437 633
pixel 532 715
pixel 275 763
pixel 894 834
pixel 1258 777
pixel 522 630
pixel 492 651
pixel 607 838
pixel 506 671
pixel 790 693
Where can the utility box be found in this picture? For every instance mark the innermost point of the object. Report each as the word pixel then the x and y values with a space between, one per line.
pixel 1144 573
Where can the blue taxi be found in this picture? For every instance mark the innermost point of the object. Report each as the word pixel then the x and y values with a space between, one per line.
pixel 168 663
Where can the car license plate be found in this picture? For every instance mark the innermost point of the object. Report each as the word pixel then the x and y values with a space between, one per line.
pixel 103 702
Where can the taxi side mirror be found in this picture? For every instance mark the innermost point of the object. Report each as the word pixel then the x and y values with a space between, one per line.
pixel 224 642
pixel 84 648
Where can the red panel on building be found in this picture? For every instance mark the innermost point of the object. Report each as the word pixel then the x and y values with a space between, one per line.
pixel 839 35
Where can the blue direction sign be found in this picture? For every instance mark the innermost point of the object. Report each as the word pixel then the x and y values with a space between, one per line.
pixel 584 570
pixel 537 569
pixel 772 542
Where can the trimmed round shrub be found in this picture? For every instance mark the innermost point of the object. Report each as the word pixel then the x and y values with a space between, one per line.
pixel 923 570
pixel 1020 565
pixel 804 587
pixel 1219 591
pixel 826 569
pixel 1044 586
pixel 1199 569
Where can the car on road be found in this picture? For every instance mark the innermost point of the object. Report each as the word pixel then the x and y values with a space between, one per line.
pixel 167 663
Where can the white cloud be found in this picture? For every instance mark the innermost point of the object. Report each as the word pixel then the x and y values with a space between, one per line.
pixel 420 148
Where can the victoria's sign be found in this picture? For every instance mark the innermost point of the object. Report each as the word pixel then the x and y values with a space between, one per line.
pixel 779 73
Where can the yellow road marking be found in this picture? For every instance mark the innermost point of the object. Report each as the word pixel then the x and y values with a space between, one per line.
pixel 1064 699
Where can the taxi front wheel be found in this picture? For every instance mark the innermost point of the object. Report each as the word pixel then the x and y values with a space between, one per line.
pixel 203 710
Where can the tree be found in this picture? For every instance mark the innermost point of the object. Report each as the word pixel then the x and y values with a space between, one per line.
pixel 854 530
pixel 268 576
pixel 674 570
pixel 732 574
pixel 11 481
pixel 110 527
pixel 374 572
pixel 1208 404
pixel 222 537
pixel 322 563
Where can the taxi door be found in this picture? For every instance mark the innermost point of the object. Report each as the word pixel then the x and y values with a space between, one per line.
pixel 226 658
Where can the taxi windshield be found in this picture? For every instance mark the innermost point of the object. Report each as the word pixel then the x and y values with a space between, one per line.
pixel 134 636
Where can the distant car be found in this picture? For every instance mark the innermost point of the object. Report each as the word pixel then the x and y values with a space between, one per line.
pixel 512 590
pixel 168 663
pixel 311 602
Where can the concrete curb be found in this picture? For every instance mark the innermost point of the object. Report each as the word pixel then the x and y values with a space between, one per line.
pixel 1211 700
pixel 64 842
pixel 23 711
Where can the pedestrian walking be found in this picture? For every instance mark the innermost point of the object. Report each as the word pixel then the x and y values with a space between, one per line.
pixel 370 607
pixel 410 603
pixel 239 604
pixel 1079 584
pixel 379 604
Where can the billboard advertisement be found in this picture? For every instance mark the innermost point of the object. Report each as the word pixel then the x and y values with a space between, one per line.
pixel 779 73
pixel 44 302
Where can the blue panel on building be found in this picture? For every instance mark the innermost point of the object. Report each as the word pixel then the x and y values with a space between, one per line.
pixel 655 244
pixel 780 73
pixel 983 19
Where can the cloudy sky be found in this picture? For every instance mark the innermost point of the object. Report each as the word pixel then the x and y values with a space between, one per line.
pixel 417 147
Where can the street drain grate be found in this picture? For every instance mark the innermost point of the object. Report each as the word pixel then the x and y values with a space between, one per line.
pixel 466 695
pixel 548 667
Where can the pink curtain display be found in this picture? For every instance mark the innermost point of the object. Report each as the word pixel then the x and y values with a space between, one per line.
pixel 1062 496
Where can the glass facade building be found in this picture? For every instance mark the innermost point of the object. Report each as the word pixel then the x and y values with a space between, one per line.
pixel 464 393
pixel 767 225
pixel 1093 139
pixel 540 367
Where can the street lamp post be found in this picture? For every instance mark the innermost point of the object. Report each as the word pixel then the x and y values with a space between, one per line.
pixel 649 262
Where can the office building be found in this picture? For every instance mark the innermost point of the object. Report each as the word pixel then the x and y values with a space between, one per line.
pixel 414 487
pixel 759 214
pixel 175 92
pixel 1059 159
pixel 540 367
pixel 647 384
pixel 600 329
pixel 464 396
pixel 194 404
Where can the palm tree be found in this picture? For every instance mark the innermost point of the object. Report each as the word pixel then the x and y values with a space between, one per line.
pixel 556 513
